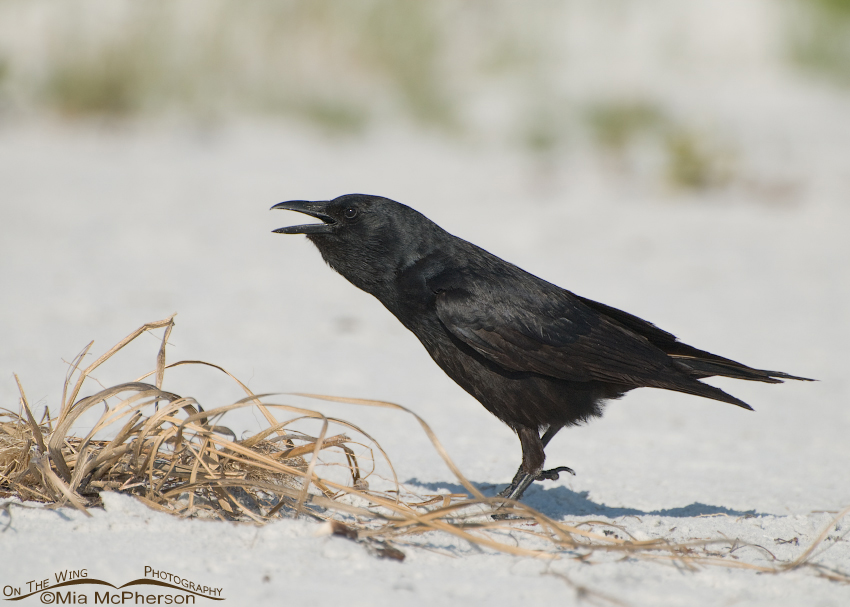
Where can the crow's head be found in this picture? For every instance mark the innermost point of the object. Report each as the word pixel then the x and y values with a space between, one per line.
pixel 367 239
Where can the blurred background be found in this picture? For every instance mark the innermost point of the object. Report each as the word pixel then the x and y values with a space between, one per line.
pixel 686 161
pixel 665 91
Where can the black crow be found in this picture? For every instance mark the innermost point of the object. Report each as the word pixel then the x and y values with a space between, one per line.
pixel 536 356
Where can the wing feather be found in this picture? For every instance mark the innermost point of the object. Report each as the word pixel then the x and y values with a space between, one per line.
pixel 548 331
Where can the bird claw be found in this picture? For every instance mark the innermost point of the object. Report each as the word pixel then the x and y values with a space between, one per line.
pixel 553 474
pixel 522 481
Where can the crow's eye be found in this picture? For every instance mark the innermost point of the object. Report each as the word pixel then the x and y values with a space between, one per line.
pixel 350 213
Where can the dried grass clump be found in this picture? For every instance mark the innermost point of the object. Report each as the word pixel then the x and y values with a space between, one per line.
pixel 174 456
pixel 168 451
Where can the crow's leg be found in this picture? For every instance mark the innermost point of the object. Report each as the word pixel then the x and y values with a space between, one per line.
pixel 532 462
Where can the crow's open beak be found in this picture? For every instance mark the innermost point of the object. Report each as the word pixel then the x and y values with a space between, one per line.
pixel 313 209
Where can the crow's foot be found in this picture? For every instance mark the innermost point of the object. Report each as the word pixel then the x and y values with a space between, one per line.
pixel 522 481
pixel 553 474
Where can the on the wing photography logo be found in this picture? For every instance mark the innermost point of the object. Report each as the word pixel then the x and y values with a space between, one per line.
pixel 75 587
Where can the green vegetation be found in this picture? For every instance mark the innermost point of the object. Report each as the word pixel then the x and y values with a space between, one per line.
pixel 820 37
pixel 616 124
pixel 544 128
pixel 344 67
pixel 336 64
pixel 330 62
pixel 401 40
pixel 690 161
pixel 693 163
pixel 109 83
pixel 331 115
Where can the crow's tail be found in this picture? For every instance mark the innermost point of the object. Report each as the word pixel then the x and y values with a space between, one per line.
pixel 707 368
pixel 693 362
pixel 699 364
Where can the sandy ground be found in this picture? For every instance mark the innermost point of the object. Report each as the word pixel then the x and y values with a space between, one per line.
pixel 104 229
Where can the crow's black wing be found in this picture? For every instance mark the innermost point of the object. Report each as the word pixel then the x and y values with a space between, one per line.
pixel 525 324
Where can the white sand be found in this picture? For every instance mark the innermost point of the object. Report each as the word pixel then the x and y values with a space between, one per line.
pixel 102 231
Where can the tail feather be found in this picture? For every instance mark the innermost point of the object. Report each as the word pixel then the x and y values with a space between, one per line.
pixel 697 388
pixel 694 362
pixel 699 368
pixel 703 368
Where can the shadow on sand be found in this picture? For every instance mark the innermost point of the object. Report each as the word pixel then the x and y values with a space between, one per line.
pixel 558 502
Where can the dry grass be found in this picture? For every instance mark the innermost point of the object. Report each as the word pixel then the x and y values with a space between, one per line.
pixel 176 457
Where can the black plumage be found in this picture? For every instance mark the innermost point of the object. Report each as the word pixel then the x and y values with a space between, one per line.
pixel 535 355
